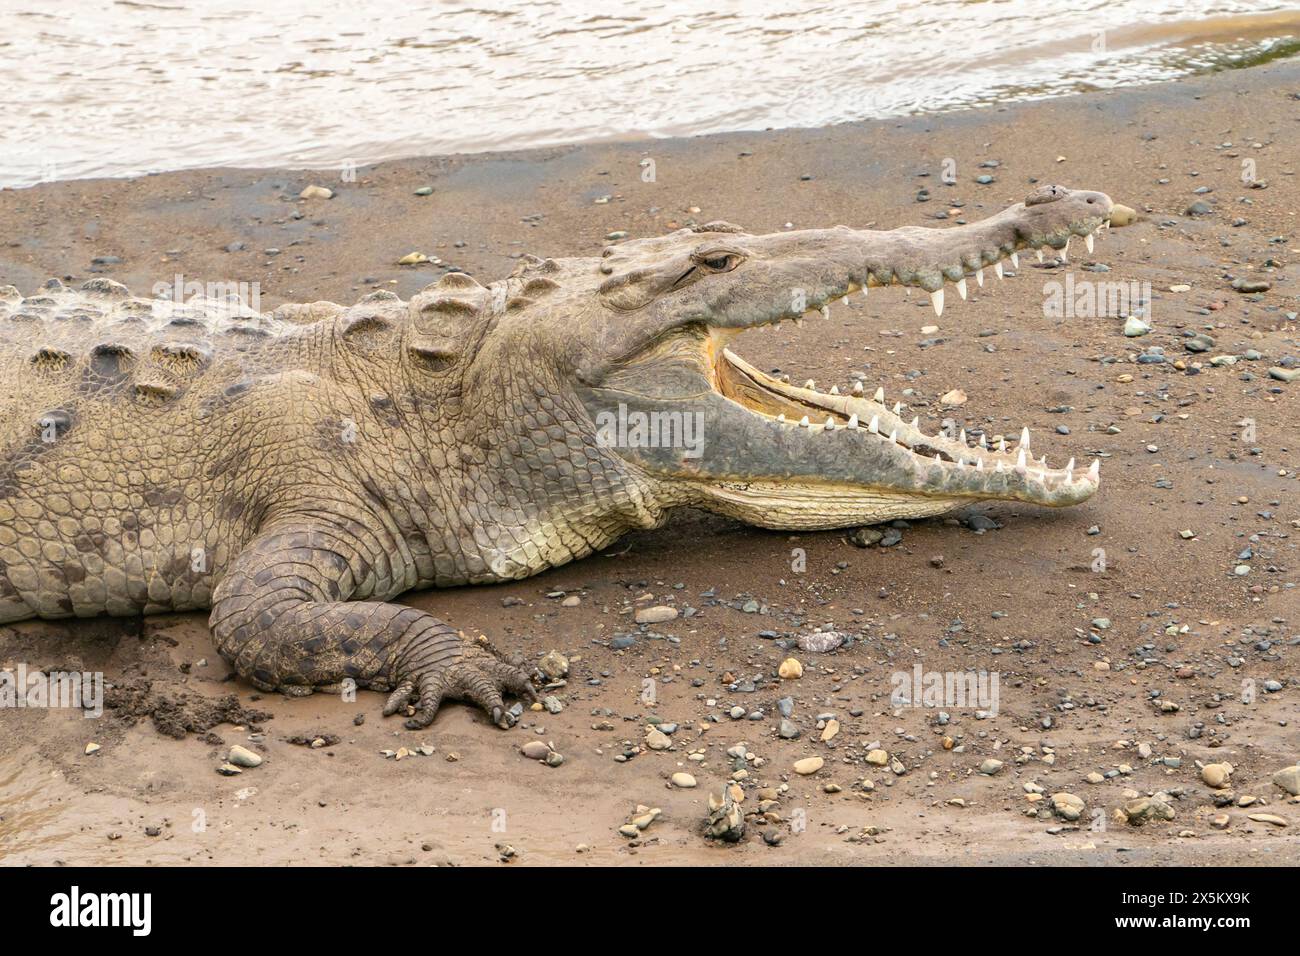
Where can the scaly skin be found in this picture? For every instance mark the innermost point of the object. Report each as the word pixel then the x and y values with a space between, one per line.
pixel 297 471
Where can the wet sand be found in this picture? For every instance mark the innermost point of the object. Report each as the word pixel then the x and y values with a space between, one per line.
pixel 1018 599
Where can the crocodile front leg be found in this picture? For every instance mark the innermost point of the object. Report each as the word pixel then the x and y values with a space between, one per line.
pixel 283 619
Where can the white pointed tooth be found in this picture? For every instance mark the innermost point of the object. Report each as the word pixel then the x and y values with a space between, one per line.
pixel 898 407
pixel 960 464
pixel 835 389
pixel 998 468
pixel 961 287
pixel 781 418
pixel 961 436
pixel 1094 470
pixel 1088 242
pixel 979 277
pixel 1043 461
pixel 937 459
pixel 936 300
pixel 979 464
pixel 1020 458
pixel 1069 471
pixel 1065 252
pixel 853 421
pixel 830 423
pixel 810 385
pixel 1024 437
pixel 1070 465
pixel 880 395
pixel 874 426
pixel 803 423
pixel 984 442
pixel 893 436
pixel 997 269
pixel 1040 253
pixel 857 388
pixel 1015 259
pixel 844 299
pixel 916 421
pixel 1002 445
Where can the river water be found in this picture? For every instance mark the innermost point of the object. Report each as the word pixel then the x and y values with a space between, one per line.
pixel 135 86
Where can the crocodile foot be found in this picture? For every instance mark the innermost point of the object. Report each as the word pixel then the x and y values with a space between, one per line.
pixel 477 674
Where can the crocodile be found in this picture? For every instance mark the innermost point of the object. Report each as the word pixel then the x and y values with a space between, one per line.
pixel 295 471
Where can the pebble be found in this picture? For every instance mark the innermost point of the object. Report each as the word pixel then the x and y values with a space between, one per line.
pixel 1121 215
pixel 990 766
pixel 830 730
pixel 954 398
pixel 656 615
pixel 1067 806
pixel 316 192
pixel 1133 327
pixel 1216 774
pixel 878 758
pixel 554 665
pixel 243 757
pixel 820 642
pixel 682 780
pixel 725 820
pixel 93 748
pixel 790 669
pixel 657 740
pixel 1267 818
pixel 535 750
pixel 1288 778
pixel 808 765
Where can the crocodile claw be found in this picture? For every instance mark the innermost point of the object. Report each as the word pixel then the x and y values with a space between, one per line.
pixel 479 677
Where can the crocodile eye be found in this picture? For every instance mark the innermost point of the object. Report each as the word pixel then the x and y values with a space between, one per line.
pixel 720 262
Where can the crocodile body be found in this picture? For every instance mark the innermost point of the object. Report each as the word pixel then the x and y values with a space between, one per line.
pixel 296 471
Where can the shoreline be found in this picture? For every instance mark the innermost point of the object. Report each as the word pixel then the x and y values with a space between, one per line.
pixel 1016 592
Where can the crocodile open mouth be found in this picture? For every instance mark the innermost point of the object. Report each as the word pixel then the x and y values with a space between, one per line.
pixel 834 415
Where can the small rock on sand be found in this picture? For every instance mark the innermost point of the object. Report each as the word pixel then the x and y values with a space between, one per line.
pixel 243 757
pixel 656 615
pixel 790 669
pixel 1216 774
pixel 808 765
pixel 1288 778
pixel 683 780
pixel 316 192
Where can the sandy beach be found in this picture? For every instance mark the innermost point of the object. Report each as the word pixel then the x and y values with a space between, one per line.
pixel 1170 657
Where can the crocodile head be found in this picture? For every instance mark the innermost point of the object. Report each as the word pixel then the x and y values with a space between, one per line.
pixel 668 394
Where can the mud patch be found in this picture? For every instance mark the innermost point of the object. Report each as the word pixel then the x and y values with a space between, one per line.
pixel 176 713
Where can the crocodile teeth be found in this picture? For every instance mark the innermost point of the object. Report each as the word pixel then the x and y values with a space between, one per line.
pixel 874 426
pixel 879 397
pixel 1087 242
pixel 830 424
pixel 857 388
pixel 853 421
pixel 1069 471
pixel 835 389
pixel 936 300
pixel 1065 252
pixel 961 288
pixel 1040 254
pixel 961 436
pixel 898 407
pixel 893 436
pixel 1015 259
pixel 997 269
pixel 1024 437
pixel 979 277
pixel 1002 445
pixel 1020 458
pixel 803 423
pixel 916 421
pixel 810 385
pixel 781 418
pixel 1094 470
